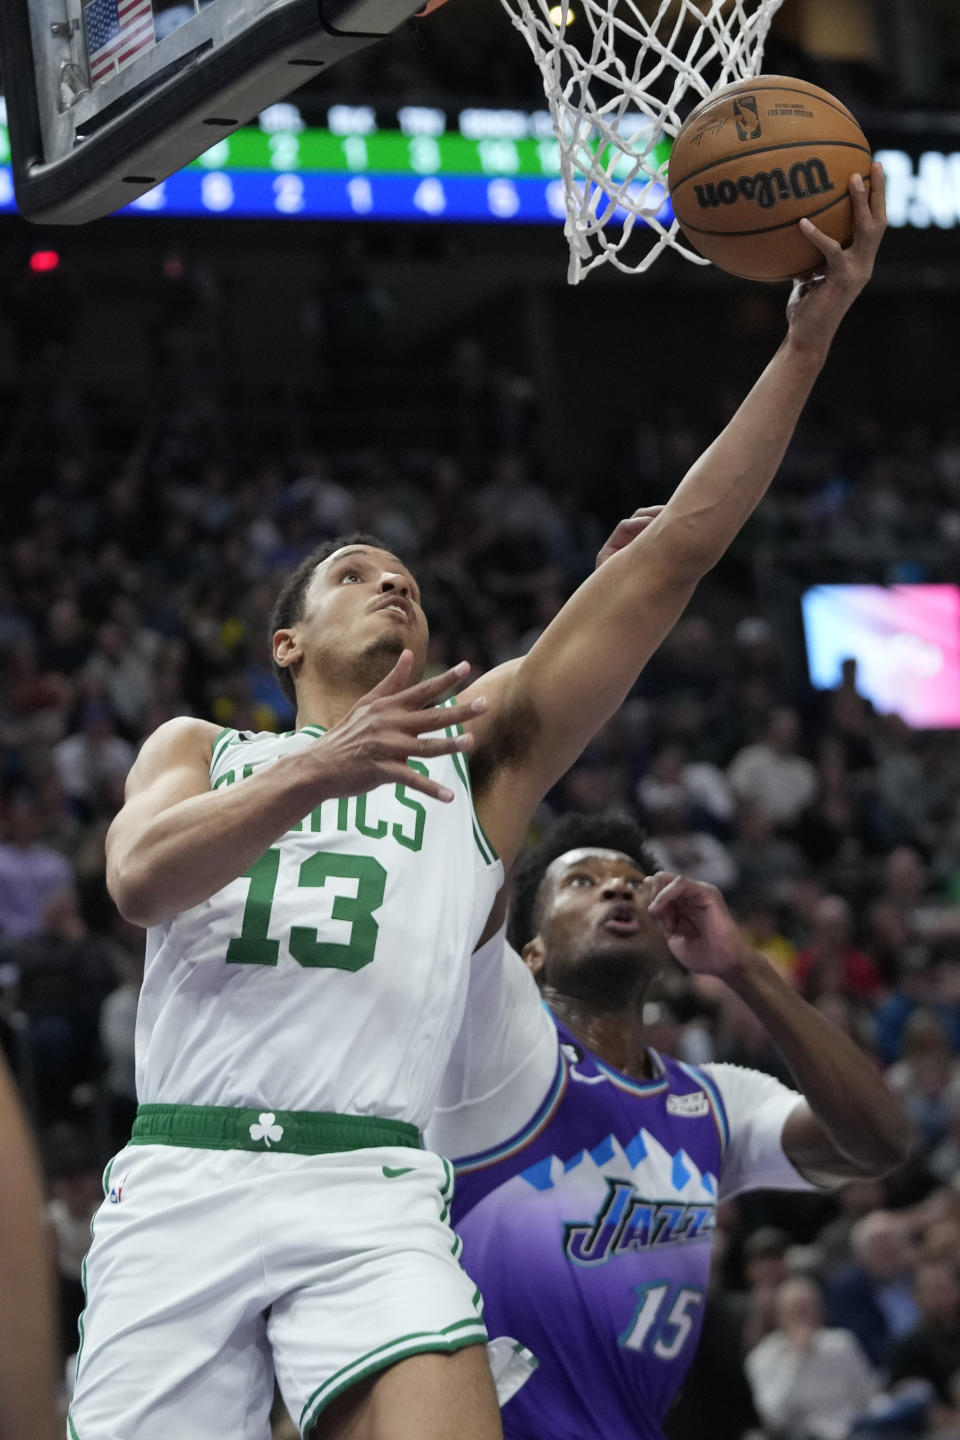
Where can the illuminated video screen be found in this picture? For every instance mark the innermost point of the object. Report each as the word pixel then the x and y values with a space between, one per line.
pixel 905 639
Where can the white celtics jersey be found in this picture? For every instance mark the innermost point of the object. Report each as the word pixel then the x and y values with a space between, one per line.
pixel 332 975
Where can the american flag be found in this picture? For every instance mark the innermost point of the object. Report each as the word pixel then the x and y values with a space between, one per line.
pixel 117 31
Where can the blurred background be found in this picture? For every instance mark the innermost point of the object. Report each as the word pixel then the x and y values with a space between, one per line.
pixel 190 402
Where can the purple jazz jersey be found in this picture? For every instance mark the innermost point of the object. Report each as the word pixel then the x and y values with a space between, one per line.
pixel 589 1235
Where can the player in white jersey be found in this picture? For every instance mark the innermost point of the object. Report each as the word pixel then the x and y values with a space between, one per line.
pixel 311 910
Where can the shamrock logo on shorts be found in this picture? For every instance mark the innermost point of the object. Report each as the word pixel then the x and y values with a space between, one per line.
pixel 267 1129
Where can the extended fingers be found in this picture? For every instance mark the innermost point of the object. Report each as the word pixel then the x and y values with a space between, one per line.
pixel 442 717
pixel 443 745
pixel 426 691
pixel 878 194
pixel 826 244
pixel 869 208
pixel 412 779
pixel 396 679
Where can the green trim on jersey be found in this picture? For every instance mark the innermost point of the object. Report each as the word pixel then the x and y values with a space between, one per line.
pixel 315 730
pixel 288 1132
pixel 462 766
pixel 220 744
pixel 72 1428
pixel 402 1348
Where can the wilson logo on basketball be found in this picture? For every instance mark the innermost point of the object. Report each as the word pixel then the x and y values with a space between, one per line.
pixel 768 187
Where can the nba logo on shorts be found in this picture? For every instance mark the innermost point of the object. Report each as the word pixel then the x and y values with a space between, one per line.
pixel 116 1192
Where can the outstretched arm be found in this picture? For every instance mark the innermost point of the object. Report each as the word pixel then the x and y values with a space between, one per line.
pixel 851 1125
pixel 547 706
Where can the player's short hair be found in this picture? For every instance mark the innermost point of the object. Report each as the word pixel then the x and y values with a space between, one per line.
pixel 609 831
pixel 288 606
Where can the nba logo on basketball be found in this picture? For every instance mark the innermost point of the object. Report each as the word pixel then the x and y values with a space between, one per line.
pixel 745 114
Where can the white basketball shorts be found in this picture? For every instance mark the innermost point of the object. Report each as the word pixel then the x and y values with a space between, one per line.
pixel 212 1269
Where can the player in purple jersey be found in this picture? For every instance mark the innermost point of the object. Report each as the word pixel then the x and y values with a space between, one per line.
pixel 589 1167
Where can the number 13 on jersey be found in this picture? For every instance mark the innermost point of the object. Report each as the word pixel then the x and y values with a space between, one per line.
pixel 253 945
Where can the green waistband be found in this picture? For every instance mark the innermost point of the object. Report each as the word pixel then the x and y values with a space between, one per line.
pixel 291 1132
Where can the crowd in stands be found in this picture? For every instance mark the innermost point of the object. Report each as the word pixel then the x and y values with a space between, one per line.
pixel 131 596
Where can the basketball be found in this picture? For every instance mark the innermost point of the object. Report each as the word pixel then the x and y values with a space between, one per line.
pixel 752 160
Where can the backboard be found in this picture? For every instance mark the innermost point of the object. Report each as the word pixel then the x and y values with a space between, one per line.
pixel 105 98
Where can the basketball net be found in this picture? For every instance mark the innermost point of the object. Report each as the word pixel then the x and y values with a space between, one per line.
pixel 619 79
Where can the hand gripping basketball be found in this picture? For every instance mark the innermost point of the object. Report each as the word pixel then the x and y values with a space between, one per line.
pixel 394 722
pixel 818 303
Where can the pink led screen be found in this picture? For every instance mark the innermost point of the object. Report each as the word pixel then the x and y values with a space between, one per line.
pixel 905 639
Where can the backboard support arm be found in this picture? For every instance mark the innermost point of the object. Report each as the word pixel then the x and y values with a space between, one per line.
pixel 168 116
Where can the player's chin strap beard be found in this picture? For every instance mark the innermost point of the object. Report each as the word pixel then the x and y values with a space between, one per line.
pixel 379 658
pixel 600 982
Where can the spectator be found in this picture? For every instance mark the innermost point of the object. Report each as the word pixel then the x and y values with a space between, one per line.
pixel 673 779
pixel 927 1077
pixel 771 775
pixel 760 923
pixel 888 939
pixel 91 757
pixel 766 862
pixel 850 716
pixel 932 1350
pixel 873 1297
pixel 689 851
pixel 831 822
pixel 29 872
pixel 832 1246
pixel 64 973
pixel 765 1269
pixel 922 983
pixel 808 1382
pixel 65 643
pixel 121 662
pixel 830 964
pixel 907 885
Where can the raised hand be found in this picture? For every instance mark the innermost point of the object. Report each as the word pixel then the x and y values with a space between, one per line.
pixel 699 929
pixel 395 722
pixel 817 303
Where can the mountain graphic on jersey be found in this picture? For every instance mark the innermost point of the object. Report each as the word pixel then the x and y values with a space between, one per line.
pixel 615 1199
pixel 643 1156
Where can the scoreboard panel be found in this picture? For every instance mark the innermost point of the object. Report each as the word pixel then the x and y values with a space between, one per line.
pixel 421 164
